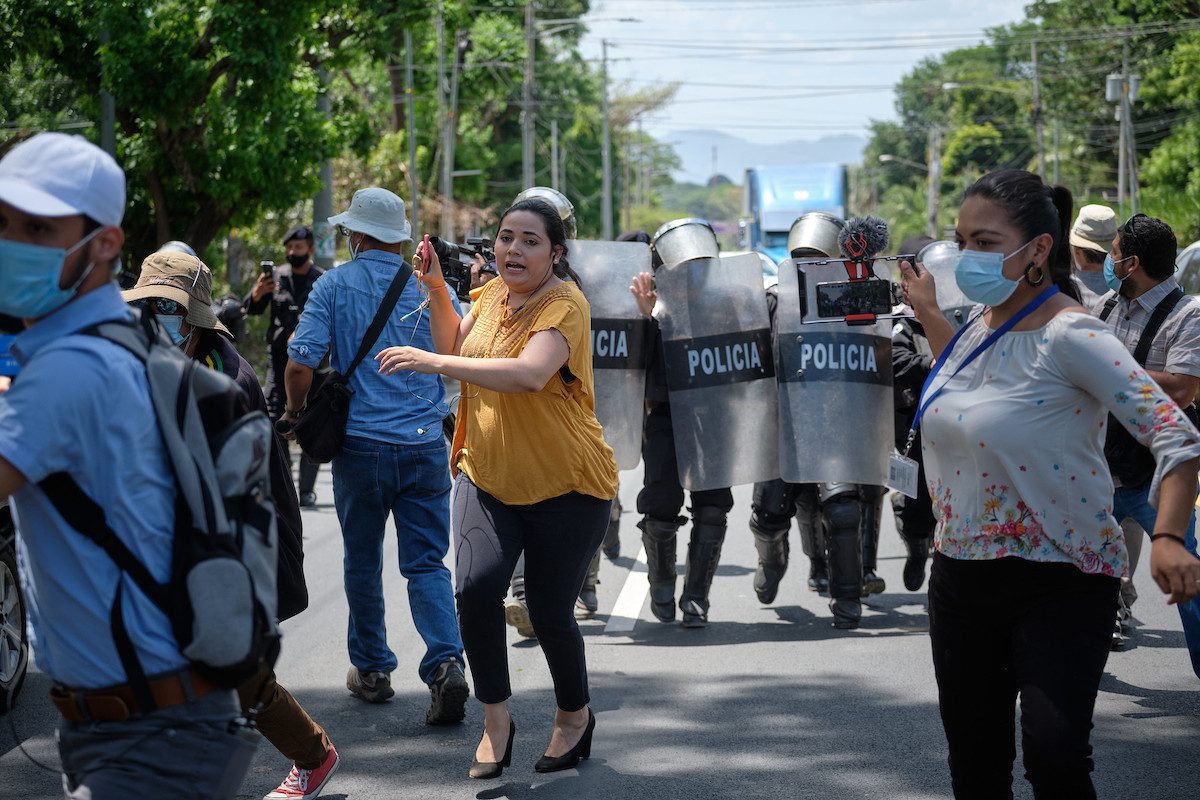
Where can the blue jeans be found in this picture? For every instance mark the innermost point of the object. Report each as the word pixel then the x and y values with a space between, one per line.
pixel 372 479
pixel 1135 504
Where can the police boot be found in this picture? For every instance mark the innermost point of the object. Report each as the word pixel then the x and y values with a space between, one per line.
pixel 588 603
pixel 611 546
pixel 914 565
pixel 704 553
pixel 658 537
pixel 872 508
pixel 818 568
pixel 772 547
pixel 841 517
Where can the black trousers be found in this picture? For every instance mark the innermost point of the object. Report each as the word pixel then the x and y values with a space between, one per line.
pixel 1008 629
pixel 661 496
pixel 559 537
pixel 276 404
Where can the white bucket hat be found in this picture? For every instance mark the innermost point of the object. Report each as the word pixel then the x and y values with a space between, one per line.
pixel 1094 228
pixel 378 213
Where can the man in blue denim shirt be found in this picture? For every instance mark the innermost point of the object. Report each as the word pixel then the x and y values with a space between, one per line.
pixel 81 405
pixel 394 459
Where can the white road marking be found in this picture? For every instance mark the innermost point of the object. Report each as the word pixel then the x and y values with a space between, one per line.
pixel 628 608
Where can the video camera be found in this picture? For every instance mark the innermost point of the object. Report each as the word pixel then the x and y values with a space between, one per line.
pixel 457 260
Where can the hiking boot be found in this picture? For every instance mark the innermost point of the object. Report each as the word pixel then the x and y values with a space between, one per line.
pixel 450 692
pixel 516 614
pixel 587 603
pixel 374 687
pixel 305 784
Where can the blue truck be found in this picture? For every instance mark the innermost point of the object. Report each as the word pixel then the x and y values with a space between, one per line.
pixel 775 196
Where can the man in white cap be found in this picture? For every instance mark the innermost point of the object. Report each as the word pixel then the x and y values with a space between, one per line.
pixel 1091 237
pixel 394 460
pixel 80 405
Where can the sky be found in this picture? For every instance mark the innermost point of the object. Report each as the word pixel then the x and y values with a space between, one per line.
pixel 784 95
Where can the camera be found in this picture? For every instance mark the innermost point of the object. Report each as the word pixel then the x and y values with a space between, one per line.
pixel 457 260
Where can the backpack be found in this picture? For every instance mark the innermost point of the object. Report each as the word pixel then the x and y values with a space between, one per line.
pixel 221 595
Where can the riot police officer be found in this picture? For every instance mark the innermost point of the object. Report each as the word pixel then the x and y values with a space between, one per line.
pixel 838 522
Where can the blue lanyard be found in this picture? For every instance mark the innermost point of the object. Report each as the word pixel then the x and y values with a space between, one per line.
pixel 974 354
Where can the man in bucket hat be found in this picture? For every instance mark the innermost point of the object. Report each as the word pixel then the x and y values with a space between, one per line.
pixel 61 203
pixel 394 445
pixel 1091 238
pixel 176 288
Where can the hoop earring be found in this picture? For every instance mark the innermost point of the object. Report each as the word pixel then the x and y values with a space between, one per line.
pixel 1040 278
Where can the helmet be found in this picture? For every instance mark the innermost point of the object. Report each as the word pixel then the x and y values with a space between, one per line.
pixel 817 231
pixel 179 247
pixel 557 200
pixel 685 239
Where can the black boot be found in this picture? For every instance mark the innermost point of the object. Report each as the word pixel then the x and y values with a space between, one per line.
pixel 611 546
pixel 914 565
pixel 658 537
pixel 704 553
pixel 872 507
pixel 814 548
pixel 772 547
pixel 841 518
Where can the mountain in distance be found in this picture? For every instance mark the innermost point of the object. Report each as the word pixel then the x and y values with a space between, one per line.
pixel 734 154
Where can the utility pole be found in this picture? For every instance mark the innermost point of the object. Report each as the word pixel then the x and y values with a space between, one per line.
pixel 935 181
pixel 450 136
pixel 414 202
pixel 1037 111
pixel 554 154
pixel 1057 155
pixel 606 209
pixel 108 111
pixel 528 116
pixel 325 238
pixel 1129 86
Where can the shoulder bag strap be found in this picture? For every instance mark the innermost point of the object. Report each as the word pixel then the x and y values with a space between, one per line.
pixel 381 316
pixel 1109 305
pixel 1161 311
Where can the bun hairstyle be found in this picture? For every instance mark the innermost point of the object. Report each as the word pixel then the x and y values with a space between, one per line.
pixel 1034 208
pixel 555 231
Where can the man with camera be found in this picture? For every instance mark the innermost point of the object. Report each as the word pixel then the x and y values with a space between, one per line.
pixel 285 291
pixel 1160 325
pixel 394 460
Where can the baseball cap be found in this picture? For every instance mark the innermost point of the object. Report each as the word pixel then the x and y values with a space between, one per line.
pixel 378 213
pixel 298 233
pixel 182 278
pixel 1095 228
pixel 61 175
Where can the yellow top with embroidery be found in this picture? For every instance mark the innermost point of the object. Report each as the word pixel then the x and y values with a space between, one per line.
pixel 523 448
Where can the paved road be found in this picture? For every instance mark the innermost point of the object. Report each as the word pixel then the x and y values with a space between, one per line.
pixel 766 702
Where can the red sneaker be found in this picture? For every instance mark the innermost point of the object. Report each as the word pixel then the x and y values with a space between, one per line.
pixel 306 784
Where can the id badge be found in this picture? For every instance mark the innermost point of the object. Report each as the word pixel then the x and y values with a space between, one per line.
pixel 902 474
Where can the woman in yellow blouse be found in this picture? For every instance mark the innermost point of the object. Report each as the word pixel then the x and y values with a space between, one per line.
pixel 532 470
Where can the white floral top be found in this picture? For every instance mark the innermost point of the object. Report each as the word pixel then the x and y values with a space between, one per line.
pixel 1014 446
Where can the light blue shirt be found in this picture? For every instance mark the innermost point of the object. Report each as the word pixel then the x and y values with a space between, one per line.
pixel 82 405
pixel 405 408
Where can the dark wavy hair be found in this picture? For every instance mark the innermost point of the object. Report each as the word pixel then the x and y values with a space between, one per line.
pixel 555 231
pixel 1034 208
pixel 1153 242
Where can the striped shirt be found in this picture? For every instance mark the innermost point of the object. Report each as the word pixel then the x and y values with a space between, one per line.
pixel 1176 346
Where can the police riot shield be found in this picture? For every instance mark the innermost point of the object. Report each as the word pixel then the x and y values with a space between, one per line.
pixel 719 369
pixel 940 258
pixel 619 336
pixel 835 386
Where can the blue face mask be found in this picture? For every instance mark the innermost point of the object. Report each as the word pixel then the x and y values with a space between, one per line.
pixel 29 276
pixel 171 324
pixel 1110 272
pixel 980 276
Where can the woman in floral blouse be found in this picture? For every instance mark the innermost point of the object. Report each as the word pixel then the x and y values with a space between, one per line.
pixel 1025 580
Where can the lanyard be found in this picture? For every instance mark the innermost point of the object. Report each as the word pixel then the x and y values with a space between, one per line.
pixel 974 354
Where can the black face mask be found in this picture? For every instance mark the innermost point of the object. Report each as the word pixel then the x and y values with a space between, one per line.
pixel 298 261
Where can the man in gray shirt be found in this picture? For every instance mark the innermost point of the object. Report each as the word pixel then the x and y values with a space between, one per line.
pixel 1140 271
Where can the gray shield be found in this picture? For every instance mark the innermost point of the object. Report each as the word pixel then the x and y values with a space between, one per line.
pixel 720 371
pixel 619 334
pixel 835 388
pixel 940 258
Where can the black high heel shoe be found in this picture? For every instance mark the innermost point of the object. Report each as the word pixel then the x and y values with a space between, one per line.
pixel 482 770
pixel 580 752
